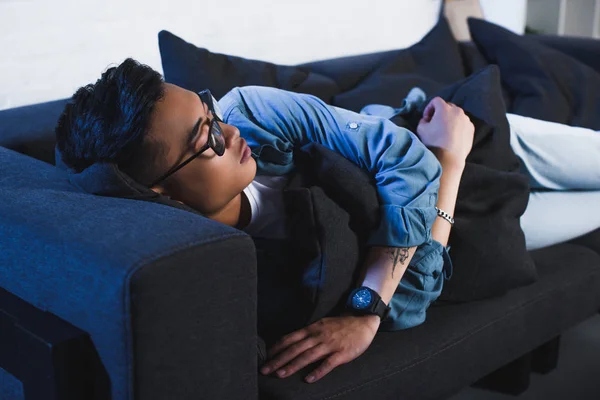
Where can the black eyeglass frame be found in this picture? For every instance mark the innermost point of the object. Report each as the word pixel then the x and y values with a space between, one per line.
pixel 211 142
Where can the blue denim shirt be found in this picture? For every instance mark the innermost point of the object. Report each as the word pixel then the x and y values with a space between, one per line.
pixel 407 174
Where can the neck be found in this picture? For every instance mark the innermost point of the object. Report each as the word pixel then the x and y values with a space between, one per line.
pixel 236 213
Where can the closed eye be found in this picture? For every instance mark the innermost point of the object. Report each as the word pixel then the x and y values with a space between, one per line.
pixel 198 127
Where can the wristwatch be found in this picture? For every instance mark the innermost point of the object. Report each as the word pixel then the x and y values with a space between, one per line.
pixel 364 301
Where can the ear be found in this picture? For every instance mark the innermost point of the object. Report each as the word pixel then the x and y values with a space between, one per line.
pixel 161 190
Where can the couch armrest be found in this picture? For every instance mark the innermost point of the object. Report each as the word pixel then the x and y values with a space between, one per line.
pixel 194 323
pixel 168 297
pixel 66 365
pixel 30 129
pixel 586 50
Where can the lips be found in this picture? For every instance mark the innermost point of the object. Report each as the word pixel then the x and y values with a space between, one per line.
pixel 246 152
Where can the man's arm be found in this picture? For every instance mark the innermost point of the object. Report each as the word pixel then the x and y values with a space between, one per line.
pixel 407 177
pixel 448 133
pixel 384 266
pixel 405 172
pixel 450 180
pixel 383 269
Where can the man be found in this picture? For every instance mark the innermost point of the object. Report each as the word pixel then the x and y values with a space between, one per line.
pixel 181 145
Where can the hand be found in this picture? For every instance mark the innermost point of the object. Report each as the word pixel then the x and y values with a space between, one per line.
pixel 340 339
pixel 446 130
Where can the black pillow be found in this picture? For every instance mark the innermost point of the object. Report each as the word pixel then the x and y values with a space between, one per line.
pixel 584 49
pixel 472 58
pixel 431 64
pixel 487 243
pixel 346 209
pixel 347 82
pixel 544 83
pixel 332 205
pixel 195 69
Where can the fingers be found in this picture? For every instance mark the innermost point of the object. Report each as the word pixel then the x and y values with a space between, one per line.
pixel 326 367
pixel 286 356
pixel 455 108
pixel 436 104
pixel 429 111
pixel 286 341
pixel 308 357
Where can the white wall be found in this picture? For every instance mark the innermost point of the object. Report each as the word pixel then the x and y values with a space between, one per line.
pixel 565 17
pixel 509 13
pixel 49 48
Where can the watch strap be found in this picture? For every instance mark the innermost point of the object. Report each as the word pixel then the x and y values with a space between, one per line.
pixel 382 309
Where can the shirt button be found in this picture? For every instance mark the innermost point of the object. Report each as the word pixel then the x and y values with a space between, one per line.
pixel 353 125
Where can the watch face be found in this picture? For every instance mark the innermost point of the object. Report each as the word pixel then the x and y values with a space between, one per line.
pixel 361 299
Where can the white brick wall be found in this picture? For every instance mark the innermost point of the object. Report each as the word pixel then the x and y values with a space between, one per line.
pixel 49 48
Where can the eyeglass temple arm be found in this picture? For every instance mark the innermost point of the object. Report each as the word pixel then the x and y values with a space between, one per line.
pixel 177 167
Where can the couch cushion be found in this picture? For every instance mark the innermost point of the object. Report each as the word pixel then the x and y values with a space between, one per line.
pixel 590 240
pixel 195 68
pixel 544 83
pixel 461 343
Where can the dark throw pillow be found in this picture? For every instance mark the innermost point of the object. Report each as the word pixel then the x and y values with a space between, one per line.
pixel 332 205
pixel 347 82
pixel 584 49
pixel 487 243
pixel 196 68
pixel 543 83
pixel 431 64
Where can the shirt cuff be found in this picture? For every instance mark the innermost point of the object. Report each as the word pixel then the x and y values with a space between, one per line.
pixel 403 226
pixel 432 258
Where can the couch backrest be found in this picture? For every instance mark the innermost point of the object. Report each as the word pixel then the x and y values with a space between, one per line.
pixel 30 129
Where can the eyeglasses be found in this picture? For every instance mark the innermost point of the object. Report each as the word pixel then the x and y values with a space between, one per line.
pixel 215 141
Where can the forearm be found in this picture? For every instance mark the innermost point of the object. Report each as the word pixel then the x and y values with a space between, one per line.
pixel 382 271
pixel 384 266
pixel 452 170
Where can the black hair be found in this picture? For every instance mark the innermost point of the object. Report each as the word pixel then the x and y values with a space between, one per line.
pixel 110 119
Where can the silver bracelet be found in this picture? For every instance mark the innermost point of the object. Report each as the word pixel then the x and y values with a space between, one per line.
pixel 445 215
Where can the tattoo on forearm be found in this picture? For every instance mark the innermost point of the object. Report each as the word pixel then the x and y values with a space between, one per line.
pixel 398 254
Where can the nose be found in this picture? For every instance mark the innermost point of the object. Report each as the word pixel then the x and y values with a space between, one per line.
pixel 230 132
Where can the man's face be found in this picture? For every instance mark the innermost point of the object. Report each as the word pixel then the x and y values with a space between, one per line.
pixel 209 182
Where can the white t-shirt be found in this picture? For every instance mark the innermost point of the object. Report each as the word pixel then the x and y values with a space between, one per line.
pixel 268 220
